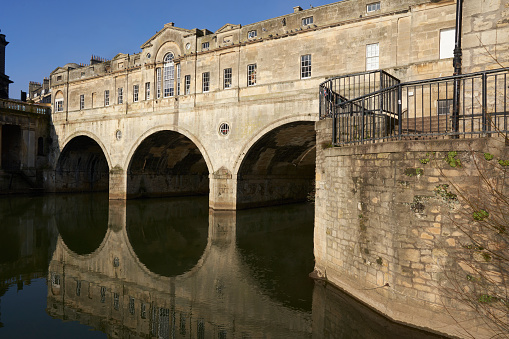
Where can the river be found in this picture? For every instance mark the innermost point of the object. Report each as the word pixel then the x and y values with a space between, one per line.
pixel 79 266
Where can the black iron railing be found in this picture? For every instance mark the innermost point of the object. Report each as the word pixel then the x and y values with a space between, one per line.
pixel 343 88
pixel 420 109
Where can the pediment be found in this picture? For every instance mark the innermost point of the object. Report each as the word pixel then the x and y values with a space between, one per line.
pixel 58 70
pixel 166 27
pixel 227 28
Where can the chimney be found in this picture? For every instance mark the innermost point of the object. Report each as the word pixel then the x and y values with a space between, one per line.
pixel 297 9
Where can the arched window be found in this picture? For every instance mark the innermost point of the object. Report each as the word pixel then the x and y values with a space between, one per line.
pixel 169 76
pixel 59 102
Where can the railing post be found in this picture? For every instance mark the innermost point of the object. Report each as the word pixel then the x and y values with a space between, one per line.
pixel 484 107
pixel 362 122
pixel 400 118
pixel 334 127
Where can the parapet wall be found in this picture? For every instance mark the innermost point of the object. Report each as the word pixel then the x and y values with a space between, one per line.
pixel 388 222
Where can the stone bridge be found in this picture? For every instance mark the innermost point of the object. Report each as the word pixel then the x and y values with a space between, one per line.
pixel 230 113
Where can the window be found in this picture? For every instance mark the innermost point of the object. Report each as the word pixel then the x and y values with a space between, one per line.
pixel 205 45
pixel 251 34
pixel 169 76
pixel 106 98
pixel 444 106
pixel 372 55
pixel 227 81
pixel 206 81
pixel 307 21
pixel 158 82
pixel 120 98
pixel 136 90
pixel 375 6
pixel 178 79
pixel 447 43
pixel 131 305
pixel 78 288
pixel 143 311
pixel 187 84
pixel 59 105
pixel 251 75
pixel 82 101
pixel 55 279
pixel 59 78
pixel 147 91
pixel 305 66
pixel 116 301
pixel 103 294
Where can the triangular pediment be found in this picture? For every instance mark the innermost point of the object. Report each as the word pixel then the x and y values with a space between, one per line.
pixel 168 26
pixel 58 69
pixel 227 28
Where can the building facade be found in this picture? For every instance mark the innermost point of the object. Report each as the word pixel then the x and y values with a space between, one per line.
pixel 222 104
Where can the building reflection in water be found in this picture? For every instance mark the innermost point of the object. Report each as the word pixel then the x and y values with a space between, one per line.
pixel 171 268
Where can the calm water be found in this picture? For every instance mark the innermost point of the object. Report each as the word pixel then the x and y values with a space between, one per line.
pixel 77 266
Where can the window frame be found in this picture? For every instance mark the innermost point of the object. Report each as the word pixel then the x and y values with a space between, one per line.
pixel 252 34
pixel 205 82
pixel 373 7
pixel 205 45
pixel 305 66
pixel 444 53
pixel 227 78
pixel 147 91
pixel 178 79
pixel 307 21
pixel 158 82
pixel 168 75
pixel 120 95
pixel 187 84
pixel 82 101
pixel 444 110
pixel 59 105
pixel 136 90
pixel 371 58
pixel 251 74
pixel 106 97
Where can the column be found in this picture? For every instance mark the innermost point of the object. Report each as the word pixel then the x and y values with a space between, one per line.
pixel 223 190
pixel 118 184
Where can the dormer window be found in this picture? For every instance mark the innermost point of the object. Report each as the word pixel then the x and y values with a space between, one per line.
pixel 205 45
pixel 307 21
pixel 375 6
pixel 251 34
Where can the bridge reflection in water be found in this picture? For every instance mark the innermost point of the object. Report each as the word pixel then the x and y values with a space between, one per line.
pixel 172 268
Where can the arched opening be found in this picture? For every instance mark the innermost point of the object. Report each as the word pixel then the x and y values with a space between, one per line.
pixel 279 168
pixel 167 163
pixel 85 234
pixel 168 235
pixel 82 167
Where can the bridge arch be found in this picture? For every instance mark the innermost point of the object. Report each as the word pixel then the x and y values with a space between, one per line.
pixel 277 165
pixel 167 160
pixel 83 164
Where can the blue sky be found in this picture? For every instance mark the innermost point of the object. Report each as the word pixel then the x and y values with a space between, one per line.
pixel 43 35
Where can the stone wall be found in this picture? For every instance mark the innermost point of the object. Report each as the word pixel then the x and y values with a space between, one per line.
pixel 388 223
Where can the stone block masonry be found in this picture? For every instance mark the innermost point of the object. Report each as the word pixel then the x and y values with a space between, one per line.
pixel 390 221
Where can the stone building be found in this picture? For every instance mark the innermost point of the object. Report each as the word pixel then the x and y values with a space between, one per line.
pixel 222 104
pixel 39 93
pixel 4 79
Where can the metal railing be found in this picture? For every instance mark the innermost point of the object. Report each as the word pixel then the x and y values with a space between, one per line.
pixel 423 109
pixel 343 88
pixel 24 107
